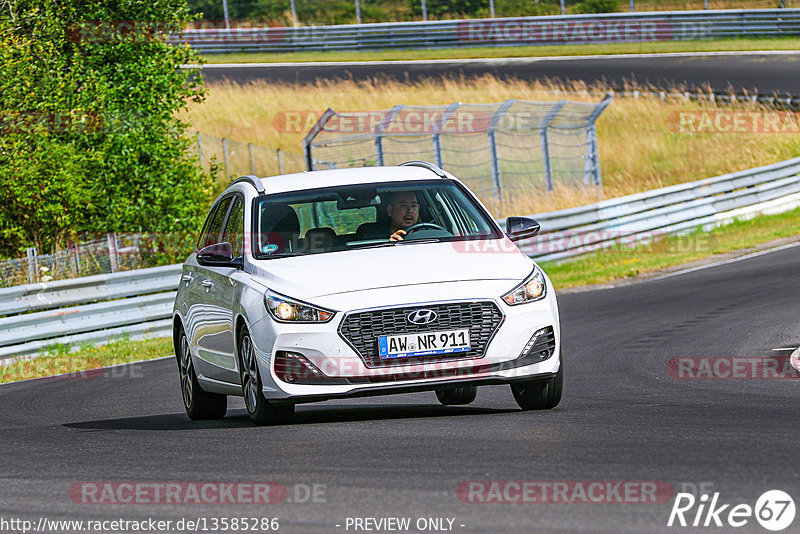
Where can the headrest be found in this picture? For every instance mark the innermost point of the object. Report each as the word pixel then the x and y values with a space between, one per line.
pixel 280 218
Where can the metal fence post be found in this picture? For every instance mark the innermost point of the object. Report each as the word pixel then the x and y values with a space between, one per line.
pixel 437 136
pixel 33 267
pixel 495 162
pixel 77 261
pixel 545 140
pixel 309 138
pixel 591 169
pixel 280 161
pixel 112 252
pixel 379 129
pixel 252 160
pixel 225 155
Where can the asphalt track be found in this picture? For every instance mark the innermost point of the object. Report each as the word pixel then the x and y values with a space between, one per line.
pixel 623 418
pixel 763 73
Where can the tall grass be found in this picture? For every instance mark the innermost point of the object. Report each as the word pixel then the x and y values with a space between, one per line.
pixel 638 148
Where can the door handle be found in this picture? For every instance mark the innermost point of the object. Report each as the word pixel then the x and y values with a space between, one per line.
pixel 208 284
pixel 186 278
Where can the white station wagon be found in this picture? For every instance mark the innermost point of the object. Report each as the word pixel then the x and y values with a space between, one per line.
pixel 355 282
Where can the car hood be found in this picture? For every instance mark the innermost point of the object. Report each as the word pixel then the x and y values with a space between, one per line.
pixel 321 275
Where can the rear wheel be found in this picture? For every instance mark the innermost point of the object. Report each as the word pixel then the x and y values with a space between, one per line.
pixel 457 395
pixel 541 393
pixel 199 404
pixel 260 412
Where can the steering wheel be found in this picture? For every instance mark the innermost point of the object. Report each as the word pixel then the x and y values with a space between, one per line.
pixel 420 226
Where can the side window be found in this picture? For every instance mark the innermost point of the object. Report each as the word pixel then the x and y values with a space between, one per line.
pixel 234 229
pixel 211 236
pixel 204 233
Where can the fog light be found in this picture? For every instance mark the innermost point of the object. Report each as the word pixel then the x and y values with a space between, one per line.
pixel 541 345
pixel 296 369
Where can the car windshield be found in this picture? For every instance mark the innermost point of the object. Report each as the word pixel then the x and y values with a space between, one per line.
pixel 357 216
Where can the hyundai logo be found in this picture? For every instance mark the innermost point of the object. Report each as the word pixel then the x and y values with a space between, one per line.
pixel 421 317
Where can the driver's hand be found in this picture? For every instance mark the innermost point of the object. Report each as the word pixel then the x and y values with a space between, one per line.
pixel 397 236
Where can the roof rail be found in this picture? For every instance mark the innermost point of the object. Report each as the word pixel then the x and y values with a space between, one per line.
pixel 252 180
pixel 426 165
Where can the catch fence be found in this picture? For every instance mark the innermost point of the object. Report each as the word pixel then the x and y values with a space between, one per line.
pixel 504 150
pixel 236 158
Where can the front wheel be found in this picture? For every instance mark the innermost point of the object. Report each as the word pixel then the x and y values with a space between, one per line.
pixel 540 393
pixel 199 404
pixel 260 412
pixel 457 396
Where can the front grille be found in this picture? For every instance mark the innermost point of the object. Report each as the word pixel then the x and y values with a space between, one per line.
pixel 361 330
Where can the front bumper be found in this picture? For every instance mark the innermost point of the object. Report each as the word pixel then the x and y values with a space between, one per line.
pixel 347 375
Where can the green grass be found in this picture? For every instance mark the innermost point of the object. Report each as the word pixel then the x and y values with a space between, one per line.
pixel 621 262
pixel 59 360
pixel 514 51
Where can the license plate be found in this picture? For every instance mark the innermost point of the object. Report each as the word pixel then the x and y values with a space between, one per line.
pixel 423 344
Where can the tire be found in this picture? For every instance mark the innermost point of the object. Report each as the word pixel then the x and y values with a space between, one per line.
pixel 542 393
pixel 457 395
pixel 259 410
pixel 199 404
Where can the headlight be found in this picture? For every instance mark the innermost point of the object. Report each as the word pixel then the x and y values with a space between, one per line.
pixel 531 289
pixel 286 310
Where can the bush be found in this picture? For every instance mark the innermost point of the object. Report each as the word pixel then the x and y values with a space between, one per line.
pixel 448 8
pixel 597 6
pixel 91 137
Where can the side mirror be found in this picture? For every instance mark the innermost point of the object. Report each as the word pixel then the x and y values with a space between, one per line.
pixel 218 255
pixel 518 228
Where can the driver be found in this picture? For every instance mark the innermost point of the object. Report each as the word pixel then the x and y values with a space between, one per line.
pixel 403 211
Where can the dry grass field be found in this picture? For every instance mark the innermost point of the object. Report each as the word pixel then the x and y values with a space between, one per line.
pixel 641 145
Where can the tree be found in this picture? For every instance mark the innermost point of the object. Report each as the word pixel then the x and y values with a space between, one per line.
pixel 91 139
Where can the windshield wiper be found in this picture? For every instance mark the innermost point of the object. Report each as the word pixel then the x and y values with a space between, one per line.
pixel 370 245
pixel 417 241
pixel 278 255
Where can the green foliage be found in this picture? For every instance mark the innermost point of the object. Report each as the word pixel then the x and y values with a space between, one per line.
pixel 309 12
pixel 597 6
pixel 448 8
pixel 92 141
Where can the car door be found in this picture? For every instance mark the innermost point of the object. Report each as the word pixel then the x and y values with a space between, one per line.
pixel 224 291
pixel 189 298
pixel 212 317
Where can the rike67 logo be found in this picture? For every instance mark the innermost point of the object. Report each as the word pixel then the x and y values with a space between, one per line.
pixel 774 510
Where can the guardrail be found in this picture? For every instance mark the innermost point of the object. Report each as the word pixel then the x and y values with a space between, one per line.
pixel 87 310
pixel 671 210
pixel 139 303
pixel 569 29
